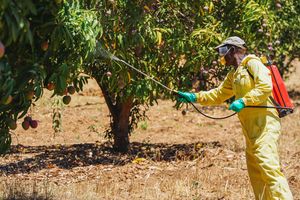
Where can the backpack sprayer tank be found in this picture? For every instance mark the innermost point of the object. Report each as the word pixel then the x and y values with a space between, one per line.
pixel 280 95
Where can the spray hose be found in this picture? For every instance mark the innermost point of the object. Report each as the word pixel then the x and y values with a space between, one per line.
pixel 176 92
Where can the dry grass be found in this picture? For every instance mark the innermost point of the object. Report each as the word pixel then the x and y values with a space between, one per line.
pixel 18 190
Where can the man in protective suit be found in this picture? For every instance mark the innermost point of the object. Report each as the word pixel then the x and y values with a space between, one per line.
pixel 251 84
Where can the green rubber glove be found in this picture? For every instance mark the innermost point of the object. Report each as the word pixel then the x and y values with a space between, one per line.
pixel 186 97
pixel 237 105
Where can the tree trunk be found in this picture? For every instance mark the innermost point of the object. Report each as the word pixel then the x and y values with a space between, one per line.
pixel 120 127
pixel 120 111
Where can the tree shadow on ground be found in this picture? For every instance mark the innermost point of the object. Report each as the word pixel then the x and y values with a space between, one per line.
pixel 78 155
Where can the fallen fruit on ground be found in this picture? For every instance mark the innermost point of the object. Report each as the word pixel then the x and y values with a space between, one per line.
pixel 33 123
pixel 67 99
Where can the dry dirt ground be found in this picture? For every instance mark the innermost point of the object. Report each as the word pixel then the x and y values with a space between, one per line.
pixel 172 156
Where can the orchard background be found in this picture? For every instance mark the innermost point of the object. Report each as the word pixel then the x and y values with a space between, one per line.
pixel 50 50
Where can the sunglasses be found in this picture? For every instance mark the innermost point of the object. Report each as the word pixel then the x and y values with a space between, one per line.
pixel 224 50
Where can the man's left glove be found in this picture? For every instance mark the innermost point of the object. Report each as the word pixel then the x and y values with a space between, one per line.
pixel 237 105
pixel 186 97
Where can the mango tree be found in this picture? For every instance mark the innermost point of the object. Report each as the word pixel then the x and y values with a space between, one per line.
pixel 174 41
pixel 43 45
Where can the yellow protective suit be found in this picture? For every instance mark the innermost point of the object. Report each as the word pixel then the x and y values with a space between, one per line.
pixel 261 126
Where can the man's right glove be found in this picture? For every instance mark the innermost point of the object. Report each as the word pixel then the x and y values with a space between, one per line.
pixel 186 97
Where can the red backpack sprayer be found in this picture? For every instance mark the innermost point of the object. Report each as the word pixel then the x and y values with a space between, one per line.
pixel 280 97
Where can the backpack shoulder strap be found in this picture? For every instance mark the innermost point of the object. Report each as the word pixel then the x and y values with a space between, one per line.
pixel 251 75
pixel 245 63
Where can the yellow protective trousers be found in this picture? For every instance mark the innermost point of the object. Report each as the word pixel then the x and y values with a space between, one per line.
pixel 261 126
pixel 262 132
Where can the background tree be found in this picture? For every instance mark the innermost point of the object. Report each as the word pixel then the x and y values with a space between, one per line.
pixel 174 41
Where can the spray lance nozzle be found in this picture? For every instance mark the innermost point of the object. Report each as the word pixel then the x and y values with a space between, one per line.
pixel 102 52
